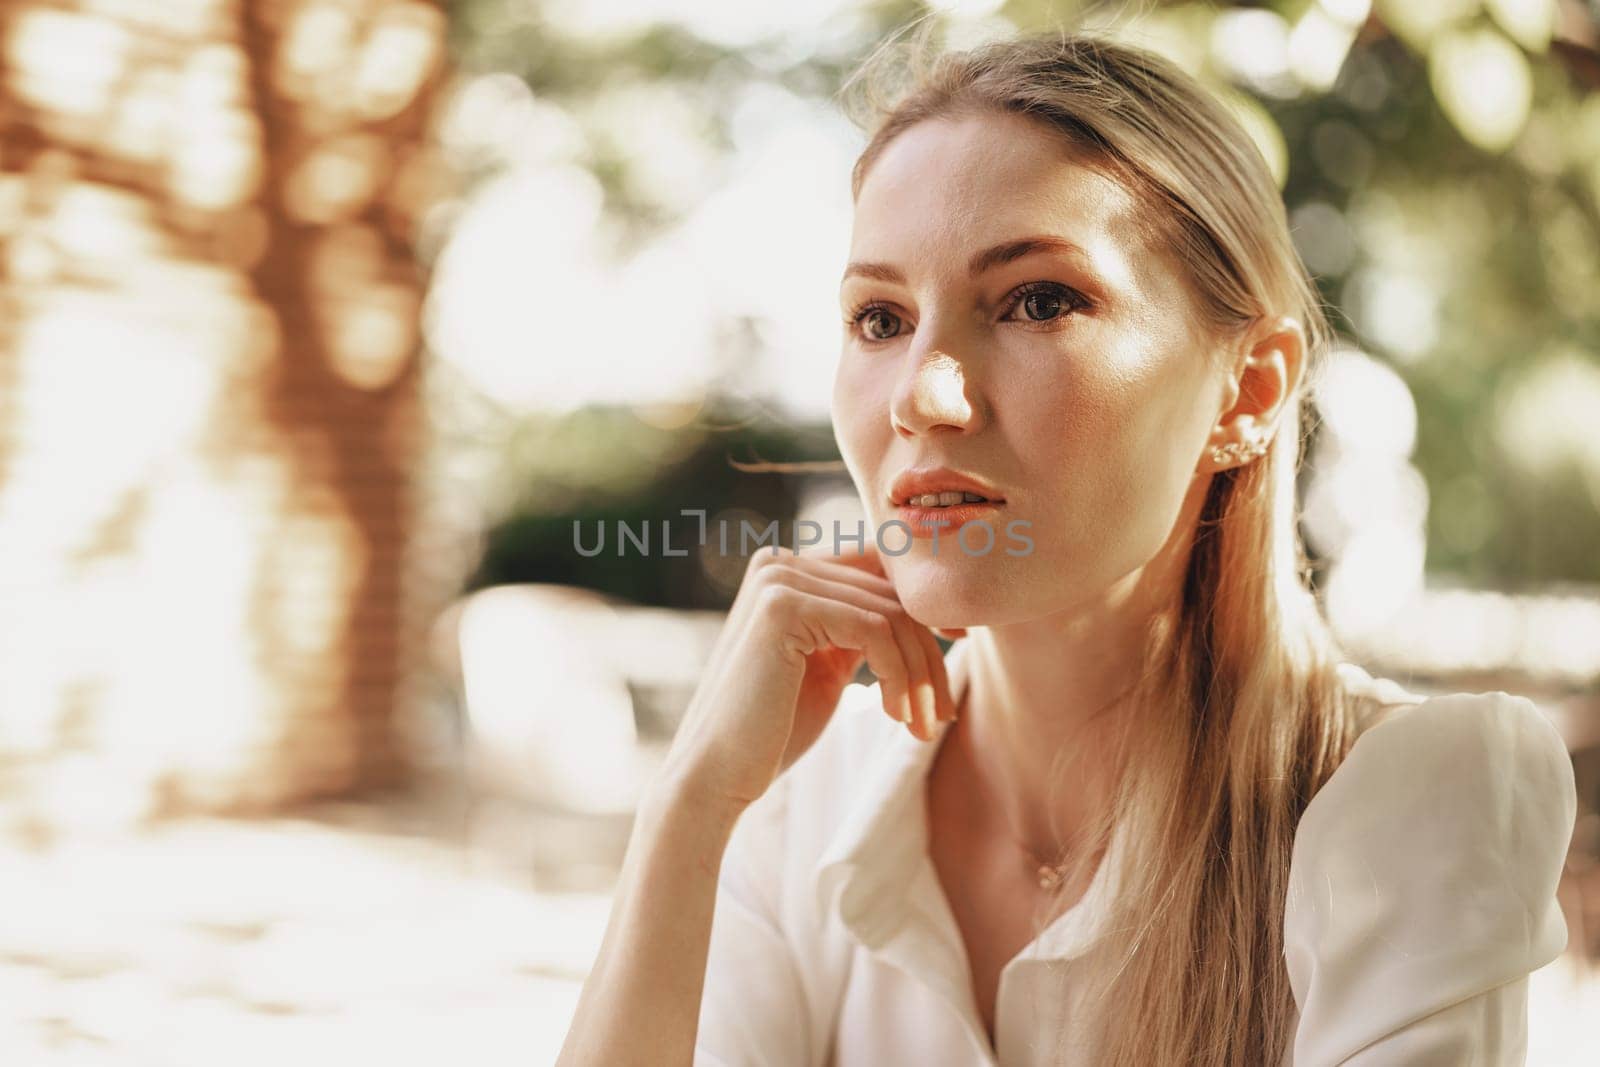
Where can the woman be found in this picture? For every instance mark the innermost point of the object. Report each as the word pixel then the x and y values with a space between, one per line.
pixel 1145 814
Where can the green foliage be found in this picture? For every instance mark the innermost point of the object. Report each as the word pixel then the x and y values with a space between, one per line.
pixel 1507 242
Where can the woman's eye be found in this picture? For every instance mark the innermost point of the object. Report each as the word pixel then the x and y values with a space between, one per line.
pixel 1046 301
pixel 876 323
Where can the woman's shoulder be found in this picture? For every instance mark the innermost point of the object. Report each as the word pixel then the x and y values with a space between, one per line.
pixel 1468 777
pixel 1430 857
pixel 1489 750
pixel 1424 871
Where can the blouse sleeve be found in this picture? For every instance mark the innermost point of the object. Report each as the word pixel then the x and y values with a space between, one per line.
pixel 752 1011
pixel 1422 887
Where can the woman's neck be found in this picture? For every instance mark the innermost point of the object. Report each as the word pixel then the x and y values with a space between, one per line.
pixel 1030 690
pixel 1023 704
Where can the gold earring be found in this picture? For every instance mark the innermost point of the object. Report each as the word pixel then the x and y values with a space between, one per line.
pixel 1229 453
pixel 1236 452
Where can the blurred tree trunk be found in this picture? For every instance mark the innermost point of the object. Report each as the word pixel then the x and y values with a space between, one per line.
pixel 209 399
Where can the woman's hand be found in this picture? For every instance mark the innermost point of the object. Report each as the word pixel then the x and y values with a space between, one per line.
pixel 797 633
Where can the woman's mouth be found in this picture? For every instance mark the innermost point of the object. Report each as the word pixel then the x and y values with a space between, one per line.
pixel 932 514
pixel 931 500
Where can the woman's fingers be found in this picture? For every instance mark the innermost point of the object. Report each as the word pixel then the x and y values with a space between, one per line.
pixel 809 623
pixel 916 704
pixel 945 699
pixel 864 557
pixel 870 561
pixel 740 613
pixel 920 681
pixel 918 692
pixel 936 703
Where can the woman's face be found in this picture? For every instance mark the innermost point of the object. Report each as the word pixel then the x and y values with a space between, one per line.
pixel 1070 373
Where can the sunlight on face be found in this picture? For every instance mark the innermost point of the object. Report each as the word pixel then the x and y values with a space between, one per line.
pixel 1070 371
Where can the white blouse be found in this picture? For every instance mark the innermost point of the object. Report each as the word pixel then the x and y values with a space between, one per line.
pixel 1422 894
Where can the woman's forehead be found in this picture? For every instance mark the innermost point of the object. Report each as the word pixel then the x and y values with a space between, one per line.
pixel 972 181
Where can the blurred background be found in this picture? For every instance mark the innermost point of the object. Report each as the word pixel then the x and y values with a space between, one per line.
pixel 322 322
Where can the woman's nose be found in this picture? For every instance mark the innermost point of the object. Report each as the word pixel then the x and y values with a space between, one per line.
pixel 932 392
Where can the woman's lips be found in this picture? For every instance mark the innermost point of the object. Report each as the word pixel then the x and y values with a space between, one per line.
pixel 946 522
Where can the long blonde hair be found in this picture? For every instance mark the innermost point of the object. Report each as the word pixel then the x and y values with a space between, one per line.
pixel 1241 717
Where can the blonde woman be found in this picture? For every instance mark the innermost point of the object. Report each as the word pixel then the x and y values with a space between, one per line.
pixel 1144 813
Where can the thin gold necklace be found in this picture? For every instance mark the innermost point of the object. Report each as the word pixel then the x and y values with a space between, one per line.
pixel 1049 875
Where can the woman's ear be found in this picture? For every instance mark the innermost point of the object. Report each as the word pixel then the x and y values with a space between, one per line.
pixel 1265 375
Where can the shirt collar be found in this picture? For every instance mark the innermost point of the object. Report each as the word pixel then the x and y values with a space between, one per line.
pixel 868 870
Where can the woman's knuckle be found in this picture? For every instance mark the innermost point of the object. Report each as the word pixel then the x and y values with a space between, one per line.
pixel 776 597
pixel 765 574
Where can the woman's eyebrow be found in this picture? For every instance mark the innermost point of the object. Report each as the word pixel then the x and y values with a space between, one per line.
pixel 985 260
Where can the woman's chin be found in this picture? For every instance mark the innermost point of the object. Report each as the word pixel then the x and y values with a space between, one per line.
pixel 939 613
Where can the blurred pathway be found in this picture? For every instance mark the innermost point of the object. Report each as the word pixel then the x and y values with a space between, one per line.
pixel 357 934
